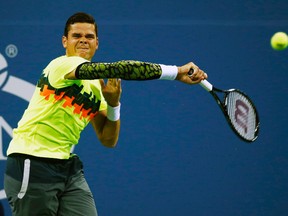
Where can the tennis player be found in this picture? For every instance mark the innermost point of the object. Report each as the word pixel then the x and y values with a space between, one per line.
pixel 42 176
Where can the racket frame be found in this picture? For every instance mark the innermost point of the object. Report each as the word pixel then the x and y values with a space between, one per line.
pixel 222 104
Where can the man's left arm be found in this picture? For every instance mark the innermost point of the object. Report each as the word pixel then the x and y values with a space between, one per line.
pixel 106 130
pixel 107 123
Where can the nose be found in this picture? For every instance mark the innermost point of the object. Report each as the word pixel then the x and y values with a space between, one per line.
pixel 83 40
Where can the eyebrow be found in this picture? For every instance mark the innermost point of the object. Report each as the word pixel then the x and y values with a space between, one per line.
pixel 86 35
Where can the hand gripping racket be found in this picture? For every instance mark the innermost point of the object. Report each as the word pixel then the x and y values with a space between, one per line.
pixel 238 109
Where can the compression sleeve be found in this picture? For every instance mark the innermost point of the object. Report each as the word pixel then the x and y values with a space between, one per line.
pixel 127 70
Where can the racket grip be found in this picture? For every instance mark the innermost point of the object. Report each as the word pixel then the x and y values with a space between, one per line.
pixel 206 85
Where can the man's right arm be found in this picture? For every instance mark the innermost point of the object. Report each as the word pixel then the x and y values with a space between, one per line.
pixel 137 70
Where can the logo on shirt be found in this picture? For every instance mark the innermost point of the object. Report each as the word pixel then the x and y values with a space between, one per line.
pixel 82 103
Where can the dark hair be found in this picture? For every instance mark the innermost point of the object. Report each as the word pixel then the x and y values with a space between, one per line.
pixel 80 17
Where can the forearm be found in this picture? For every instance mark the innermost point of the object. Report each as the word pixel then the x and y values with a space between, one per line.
pixel 110 133
pixel 111 128
pixel 107 126
pixel 127 70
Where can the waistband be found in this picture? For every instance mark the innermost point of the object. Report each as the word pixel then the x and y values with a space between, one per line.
pixel 45 170
pixel 43 159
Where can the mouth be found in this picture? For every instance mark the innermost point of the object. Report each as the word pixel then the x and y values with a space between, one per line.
pixel 82 48
pixel 83 51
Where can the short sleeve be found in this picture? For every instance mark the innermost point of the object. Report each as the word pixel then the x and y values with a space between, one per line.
pixel 61 66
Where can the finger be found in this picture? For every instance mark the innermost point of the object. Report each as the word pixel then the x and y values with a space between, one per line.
pixel 119 85
pixel 198 77
pixel 102 83
pixel 112 82
pixel 203 75
pixel 119 82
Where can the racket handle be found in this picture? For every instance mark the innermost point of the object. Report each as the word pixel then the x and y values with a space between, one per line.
pixel 206 85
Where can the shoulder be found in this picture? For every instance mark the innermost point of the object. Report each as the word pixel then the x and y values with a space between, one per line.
pixel 75 60
pixel 64 64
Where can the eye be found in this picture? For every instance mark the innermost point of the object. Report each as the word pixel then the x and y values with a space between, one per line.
pixel 76 35
pixel 90 36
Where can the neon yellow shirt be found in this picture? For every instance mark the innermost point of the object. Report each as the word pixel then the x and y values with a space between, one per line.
pixel 58 111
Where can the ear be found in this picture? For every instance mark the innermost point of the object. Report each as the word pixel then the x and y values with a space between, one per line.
pixel 64 41
pixel 97 43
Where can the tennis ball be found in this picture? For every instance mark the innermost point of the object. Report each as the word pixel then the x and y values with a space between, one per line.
pixel 279 41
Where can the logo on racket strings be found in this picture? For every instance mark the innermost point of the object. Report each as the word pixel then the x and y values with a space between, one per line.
pixel 241 115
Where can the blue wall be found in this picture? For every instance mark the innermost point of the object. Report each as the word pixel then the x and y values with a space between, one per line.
pixel 176 154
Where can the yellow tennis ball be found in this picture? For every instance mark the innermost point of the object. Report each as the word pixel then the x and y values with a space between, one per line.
pixel 279 41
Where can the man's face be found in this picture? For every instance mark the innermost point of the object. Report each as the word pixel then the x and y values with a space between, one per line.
pixel 81 40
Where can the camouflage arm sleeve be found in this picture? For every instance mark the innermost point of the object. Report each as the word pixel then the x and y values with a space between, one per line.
pixel 127 70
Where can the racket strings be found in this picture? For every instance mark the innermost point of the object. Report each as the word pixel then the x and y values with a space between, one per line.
pixel 242 114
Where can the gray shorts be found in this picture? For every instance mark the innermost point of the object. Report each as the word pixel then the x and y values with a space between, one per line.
pixel 42 186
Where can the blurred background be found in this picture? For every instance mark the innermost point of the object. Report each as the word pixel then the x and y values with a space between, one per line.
pixel 176 154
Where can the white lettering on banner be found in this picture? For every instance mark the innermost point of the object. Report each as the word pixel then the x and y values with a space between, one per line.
pixel 19 88
pixel 6 127
pixel 13 85
pixel 2 194
pixel 3 63
pixel 11 51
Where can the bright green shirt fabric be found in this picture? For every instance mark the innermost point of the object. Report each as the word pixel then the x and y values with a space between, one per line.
pixel 58 111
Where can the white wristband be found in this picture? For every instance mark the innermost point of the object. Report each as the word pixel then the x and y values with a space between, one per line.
pixel 168 72
pixel 113 113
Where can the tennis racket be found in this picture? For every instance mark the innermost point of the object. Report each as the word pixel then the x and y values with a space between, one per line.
pixel 238 109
